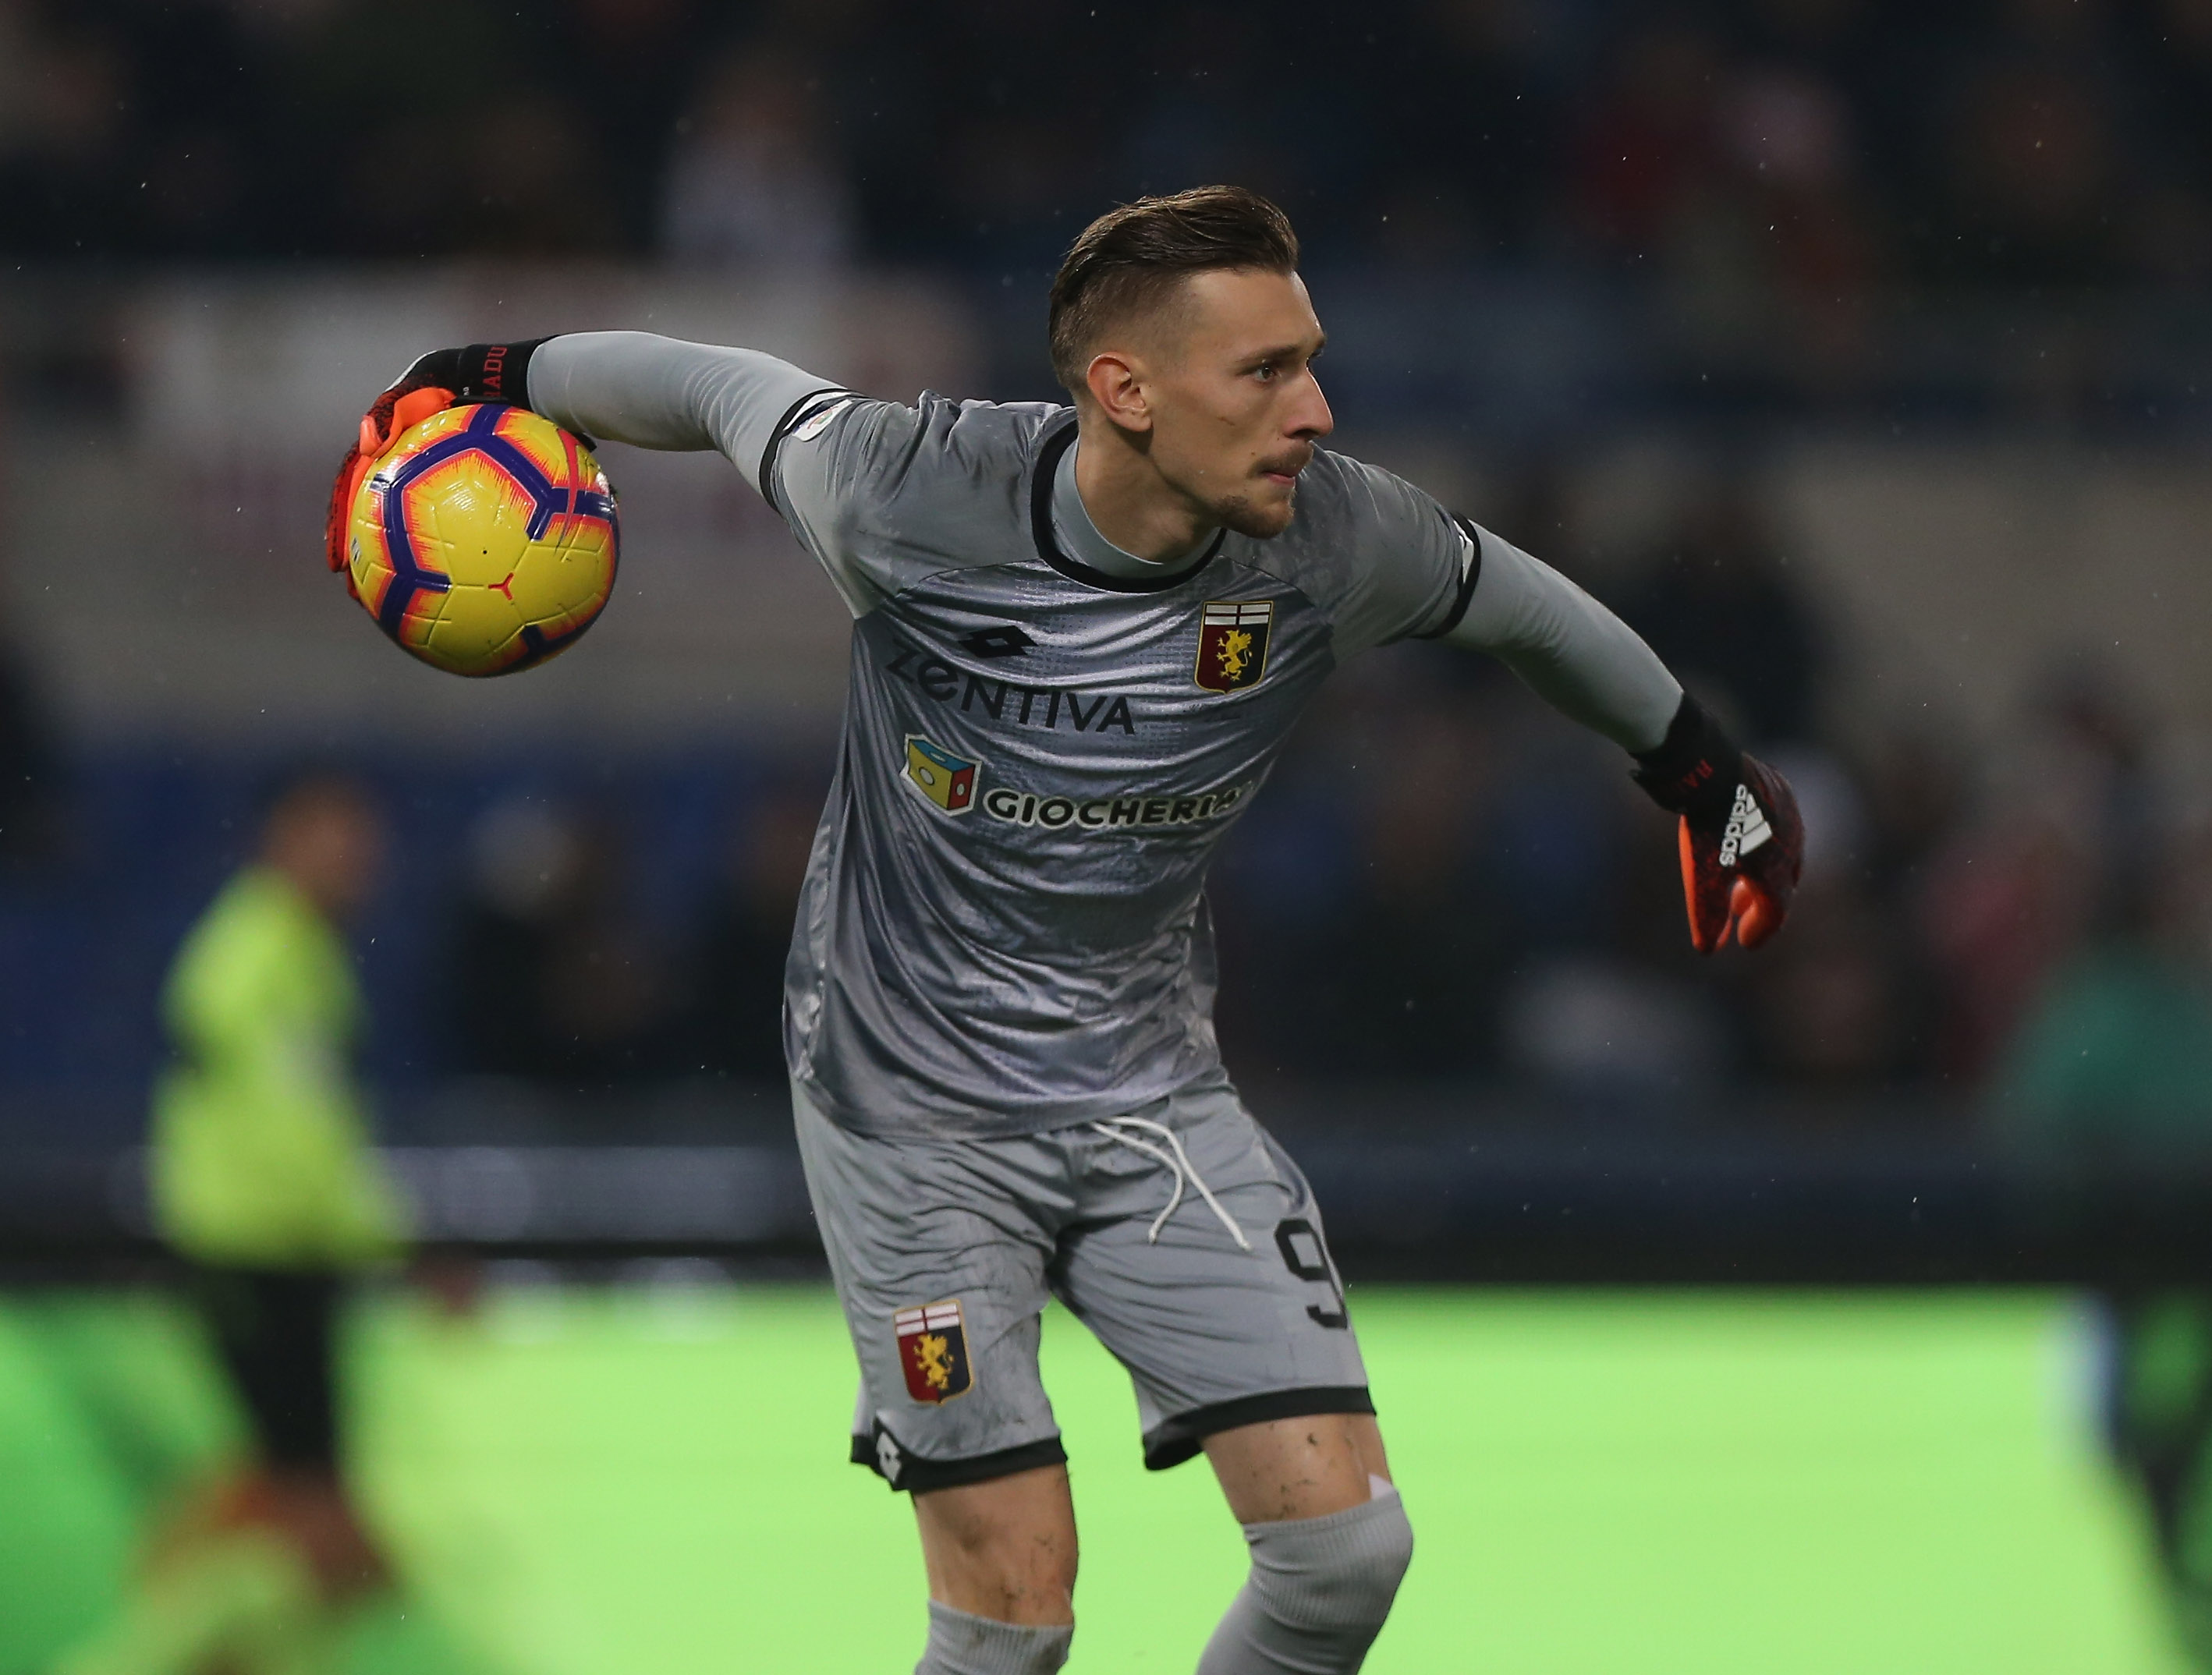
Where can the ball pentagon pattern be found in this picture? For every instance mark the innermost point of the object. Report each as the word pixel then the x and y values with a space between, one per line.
pixel 486 540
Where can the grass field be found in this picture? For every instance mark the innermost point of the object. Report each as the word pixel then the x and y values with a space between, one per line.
pixel 648 1480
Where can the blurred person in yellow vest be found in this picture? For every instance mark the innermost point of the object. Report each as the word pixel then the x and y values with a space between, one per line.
pixel 261 1163
pixel 263 1179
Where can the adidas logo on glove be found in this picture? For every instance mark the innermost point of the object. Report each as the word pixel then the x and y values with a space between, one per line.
pixel 1741 854
pixel 1747 828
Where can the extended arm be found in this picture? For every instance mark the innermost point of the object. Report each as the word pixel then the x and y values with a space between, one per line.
pixel 653 392
pixel 657 392
pixel 1740 838
pixel 1574 653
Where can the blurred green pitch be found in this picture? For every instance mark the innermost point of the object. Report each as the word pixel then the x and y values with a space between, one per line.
pixel 649 1480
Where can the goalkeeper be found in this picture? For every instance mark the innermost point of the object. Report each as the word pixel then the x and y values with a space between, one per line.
pixel 1083 634
pixel 263 1181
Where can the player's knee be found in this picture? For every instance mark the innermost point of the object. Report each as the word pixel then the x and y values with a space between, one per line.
pixel 1004 1547
pixel 961 1643
pixel 1334 1574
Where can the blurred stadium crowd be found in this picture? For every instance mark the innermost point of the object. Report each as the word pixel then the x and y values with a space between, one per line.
pixel 2021 929
pixel 1792 151
pixel 2020 937
pixel 1445 884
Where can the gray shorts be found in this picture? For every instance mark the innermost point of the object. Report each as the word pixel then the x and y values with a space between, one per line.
pixel 943 1252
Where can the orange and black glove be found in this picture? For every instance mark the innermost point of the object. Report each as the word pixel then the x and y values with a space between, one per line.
pixel 1743 844
pixel 444 377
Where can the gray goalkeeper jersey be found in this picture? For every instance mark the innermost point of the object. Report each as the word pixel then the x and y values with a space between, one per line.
pixel 1003 927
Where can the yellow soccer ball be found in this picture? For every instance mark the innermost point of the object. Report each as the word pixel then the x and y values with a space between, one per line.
pixel 485 541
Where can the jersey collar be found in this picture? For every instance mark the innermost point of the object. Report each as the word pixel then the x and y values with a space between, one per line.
pixel 1044 475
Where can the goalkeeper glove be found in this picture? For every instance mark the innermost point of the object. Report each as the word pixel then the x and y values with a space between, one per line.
pixel 1743 844
pixel 444 377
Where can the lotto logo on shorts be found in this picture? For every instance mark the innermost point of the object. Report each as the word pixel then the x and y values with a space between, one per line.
pixel 946 780
pixel 933 1347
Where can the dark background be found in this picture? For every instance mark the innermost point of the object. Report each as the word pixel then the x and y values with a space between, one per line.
pixel 1719 307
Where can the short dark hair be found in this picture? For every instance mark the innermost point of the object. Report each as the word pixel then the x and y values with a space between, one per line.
pixel 1132 256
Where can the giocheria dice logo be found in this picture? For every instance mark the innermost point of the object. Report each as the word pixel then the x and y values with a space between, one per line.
pixel 946 780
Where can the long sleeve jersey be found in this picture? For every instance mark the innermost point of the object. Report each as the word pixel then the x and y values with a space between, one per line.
pixel 1003 928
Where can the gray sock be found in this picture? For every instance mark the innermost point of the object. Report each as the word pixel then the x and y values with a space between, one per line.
pixel 1319 1590
pixel 960 1644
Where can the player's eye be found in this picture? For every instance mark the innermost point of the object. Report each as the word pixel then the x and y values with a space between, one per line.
pixel 1266 371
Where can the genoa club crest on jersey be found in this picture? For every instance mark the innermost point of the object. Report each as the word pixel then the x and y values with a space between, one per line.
pixel 1232 643
pixel 932 1345
pixel 946 780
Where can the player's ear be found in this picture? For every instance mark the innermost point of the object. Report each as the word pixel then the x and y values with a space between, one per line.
pixel 1115 385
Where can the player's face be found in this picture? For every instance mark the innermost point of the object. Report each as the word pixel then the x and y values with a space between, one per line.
pixel 329 841
pixel 1236 409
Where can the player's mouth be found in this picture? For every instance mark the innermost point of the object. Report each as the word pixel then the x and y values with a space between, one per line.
pixel 1284 472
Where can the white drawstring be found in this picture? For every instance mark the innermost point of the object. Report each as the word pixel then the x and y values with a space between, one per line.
pixel 1178 1163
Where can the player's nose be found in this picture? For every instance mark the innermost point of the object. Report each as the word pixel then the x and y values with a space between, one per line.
pixel 1309 417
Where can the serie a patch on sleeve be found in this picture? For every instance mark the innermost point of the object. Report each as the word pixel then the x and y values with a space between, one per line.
pixel 932 1344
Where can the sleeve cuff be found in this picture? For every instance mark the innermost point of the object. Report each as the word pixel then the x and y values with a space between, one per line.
pixel 497 371
pixel 1696 766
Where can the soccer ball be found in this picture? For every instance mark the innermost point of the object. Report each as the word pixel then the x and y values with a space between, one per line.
pixel 485 541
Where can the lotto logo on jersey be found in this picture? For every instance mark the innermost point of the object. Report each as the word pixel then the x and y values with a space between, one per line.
pixel 1232 643
pixel 946 780
pixel 933 1346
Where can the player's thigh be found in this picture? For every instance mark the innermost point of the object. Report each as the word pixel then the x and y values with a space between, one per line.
pixel 1215 1334
pixel 1003 1549
pixel 1306 1468
pixel 940 1267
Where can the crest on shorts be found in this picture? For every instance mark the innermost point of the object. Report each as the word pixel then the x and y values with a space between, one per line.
pixel 1232 643
pixel 933 1346
pixel 946 780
